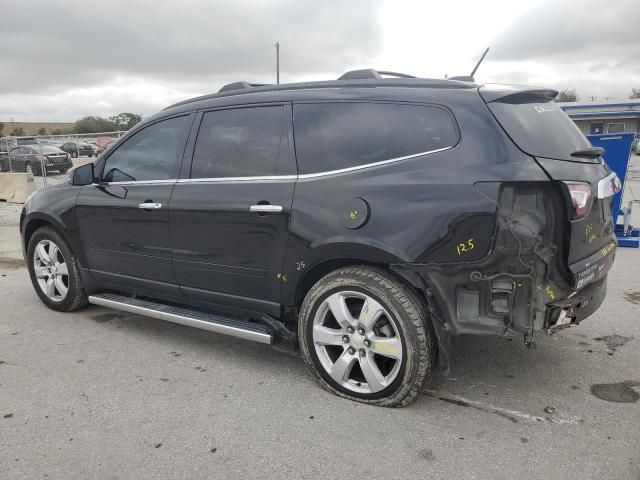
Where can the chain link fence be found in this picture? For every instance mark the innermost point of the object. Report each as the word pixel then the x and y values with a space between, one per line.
pixel 49 157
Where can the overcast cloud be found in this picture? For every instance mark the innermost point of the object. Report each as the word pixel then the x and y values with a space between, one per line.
pixel 60 60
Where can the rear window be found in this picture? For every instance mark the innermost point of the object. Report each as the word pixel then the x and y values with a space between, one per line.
pixel 333 136
pixel 541 130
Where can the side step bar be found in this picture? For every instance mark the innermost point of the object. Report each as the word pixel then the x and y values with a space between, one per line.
pixel 205 321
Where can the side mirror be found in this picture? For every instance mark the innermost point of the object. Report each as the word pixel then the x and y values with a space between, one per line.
pixel 83 175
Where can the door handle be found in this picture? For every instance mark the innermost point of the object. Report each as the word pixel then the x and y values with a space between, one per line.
pixel 265 208
pixel 150 206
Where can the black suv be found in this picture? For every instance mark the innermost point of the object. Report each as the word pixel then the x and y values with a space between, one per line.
pixel 365 220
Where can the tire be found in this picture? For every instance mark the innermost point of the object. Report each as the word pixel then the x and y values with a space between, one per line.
pixel 34 169
pixel 75 296
pixel 63 171
pixel 402 351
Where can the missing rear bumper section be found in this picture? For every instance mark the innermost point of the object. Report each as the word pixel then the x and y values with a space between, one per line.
pixel 575 308
pixel 524 284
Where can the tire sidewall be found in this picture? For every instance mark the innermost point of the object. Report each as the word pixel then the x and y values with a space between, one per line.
pixel 75 285
pixel 407 332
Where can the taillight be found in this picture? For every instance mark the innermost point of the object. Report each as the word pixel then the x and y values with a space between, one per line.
pixel 580 194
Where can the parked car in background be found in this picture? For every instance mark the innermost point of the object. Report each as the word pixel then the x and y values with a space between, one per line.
pixel 103 143
pixel 6 144
pixel 83 149
pixel 635 146
pixel 27 158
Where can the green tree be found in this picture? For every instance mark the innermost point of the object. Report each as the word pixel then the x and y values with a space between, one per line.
pixel 567 95
pixel 59 131
pixel 17 132
pixel 635 93
pixel 92 124
pixel 125 121
pixel 42 131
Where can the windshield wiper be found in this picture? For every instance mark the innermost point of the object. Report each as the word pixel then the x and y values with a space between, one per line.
pixel 591 152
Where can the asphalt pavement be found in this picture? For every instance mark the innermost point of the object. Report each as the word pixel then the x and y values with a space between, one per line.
pixel 105 395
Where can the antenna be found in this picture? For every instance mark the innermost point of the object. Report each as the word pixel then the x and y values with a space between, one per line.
pixel 473 72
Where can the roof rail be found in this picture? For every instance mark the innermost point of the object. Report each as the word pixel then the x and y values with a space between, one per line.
pixel 462 78
pixel 369 73
pixel 240 86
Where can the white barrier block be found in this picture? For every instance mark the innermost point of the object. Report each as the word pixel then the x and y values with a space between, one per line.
pixel 16 187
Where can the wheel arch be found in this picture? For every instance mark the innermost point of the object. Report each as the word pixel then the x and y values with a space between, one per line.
pixel 36 221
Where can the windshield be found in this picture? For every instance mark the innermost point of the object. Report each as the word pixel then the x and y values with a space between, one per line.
pixel 541 130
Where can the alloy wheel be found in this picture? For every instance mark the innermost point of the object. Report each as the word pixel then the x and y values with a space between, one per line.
pixel 357 342
pixel 51 270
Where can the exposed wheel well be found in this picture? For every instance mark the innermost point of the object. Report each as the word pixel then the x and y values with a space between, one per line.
pixel 319 270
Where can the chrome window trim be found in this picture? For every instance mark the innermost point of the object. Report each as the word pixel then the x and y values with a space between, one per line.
pixel 279 178
pixel 371 165
pixel 272 178
pixel 136 182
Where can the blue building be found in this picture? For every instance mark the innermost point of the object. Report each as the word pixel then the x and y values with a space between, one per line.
pixel 610 116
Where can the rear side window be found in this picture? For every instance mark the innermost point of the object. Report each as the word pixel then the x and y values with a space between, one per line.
pixel 240 142
pixel 541 130
pixel 333 136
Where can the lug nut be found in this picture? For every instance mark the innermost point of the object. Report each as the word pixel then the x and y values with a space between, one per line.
pixel 351 350
pixel 363 352
pixel 345 338
pixel 361 331
pixel 350 329
pixel 367 343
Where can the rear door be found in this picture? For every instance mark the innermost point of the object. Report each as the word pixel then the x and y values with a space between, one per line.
pixel 123 221
pixel 541 129
pixel 230 210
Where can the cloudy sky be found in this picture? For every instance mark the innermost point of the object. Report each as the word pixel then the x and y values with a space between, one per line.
pixel 63 59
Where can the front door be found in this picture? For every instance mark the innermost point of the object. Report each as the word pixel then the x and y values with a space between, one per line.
pixel 230 215
pixel 123 220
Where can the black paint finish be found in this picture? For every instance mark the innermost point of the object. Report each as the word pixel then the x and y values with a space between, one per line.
pixel 444 221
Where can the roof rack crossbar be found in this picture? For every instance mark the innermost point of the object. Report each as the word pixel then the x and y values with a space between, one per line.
pixel 240 86
pixel 370 73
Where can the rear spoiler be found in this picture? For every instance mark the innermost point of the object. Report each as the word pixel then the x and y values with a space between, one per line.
pixel 517 94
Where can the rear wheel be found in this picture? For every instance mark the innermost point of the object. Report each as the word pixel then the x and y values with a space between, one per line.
pixel 54 271
pixel 367 337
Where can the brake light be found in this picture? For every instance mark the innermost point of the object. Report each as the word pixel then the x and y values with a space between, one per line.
pixel 580 194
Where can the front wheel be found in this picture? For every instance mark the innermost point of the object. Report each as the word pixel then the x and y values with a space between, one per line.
pixel 35 170
pixel 367 337
pixel 54 271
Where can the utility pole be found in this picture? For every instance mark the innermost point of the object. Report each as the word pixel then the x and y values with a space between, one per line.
pixel 277 45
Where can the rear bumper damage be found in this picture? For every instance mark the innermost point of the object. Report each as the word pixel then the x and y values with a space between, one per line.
pixel 523 284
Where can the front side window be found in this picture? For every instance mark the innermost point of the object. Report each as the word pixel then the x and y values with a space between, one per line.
pixel 151 154
pixel 333 136
pixel 239 142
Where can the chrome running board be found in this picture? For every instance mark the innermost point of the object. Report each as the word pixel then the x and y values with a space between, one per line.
pixel 204 321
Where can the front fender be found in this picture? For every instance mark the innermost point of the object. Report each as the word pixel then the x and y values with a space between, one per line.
pixel 55 207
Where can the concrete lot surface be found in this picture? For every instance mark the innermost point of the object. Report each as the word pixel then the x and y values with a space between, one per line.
pixel 100 394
